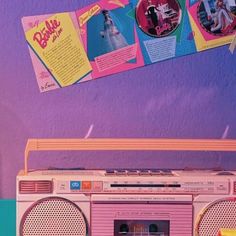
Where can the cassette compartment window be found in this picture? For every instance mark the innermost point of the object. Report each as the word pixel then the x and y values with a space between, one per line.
pixel 142 227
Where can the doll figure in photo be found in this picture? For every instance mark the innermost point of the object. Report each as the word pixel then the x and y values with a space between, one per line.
pixel 154 17
pixel 113 38
pixel 152 14
pixel 158 18
pixel 222 18
pixel 217 16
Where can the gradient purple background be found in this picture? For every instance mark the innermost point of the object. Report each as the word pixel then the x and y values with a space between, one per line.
pixel 188 97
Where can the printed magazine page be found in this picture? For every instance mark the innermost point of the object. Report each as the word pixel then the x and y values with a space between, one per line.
pixel 213 22
pixel 57 53
pixel 113 36
pixel 109 34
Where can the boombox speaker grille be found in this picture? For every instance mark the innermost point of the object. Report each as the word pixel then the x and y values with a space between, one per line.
pixel 220 214
pixel 53 217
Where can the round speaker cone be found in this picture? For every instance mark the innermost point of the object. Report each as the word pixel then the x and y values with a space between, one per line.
pixel 218 215
pixel 53 216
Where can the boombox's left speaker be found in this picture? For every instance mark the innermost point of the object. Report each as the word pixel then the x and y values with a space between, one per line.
pixel 217 215
pixel 53 216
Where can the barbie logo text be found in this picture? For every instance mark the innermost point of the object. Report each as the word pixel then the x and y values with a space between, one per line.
pixel 165 27
pixel 47 32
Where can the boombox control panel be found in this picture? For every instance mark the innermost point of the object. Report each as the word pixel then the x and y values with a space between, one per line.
pixel 132 181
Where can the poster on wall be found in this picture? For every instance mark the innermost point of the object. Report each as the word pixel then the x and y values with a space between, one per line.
pixel 56 50
pixel 213 22
pixel 112 36
pixel 163 29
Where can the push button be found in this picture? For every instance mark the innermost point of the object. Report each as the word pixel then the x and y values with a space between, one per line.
pixel 75 185
pixel 86 185
pixel 97 186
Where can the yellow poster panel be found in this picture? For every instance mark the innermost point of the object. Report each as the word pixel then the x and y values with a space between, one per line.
pixel 58 46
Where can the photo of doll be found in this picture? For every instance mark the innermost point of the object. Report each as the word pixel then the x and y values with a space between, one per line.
pixel 158 18
pixel 111 29
pixel 217 17
pixel 113 38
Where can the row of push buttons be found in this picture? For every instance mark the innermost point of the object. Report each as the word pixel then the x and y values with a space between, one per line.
pixel 86 185
pixel 144 172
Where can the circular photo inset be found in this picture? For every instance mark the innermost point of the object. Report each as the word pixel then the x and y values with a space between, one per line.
pixel 217 17
pixel 158 18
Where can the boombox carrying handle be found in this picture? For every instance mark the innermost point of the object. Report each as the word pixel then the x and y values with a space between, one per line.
pixel 104 144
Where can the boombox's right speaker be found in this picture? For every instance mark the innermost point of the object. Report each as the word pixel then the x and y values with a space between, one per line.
pixel 217 215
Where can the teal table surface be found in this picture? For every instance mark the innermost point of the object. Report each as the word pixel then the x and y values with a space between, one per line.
pixel 8 217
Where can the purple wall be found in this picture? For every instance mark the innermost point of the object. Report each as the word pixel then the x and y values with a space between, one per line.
pixel 188 97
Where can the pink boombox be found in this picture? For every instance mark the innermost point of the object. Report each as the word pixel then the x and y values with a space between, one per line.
pixel 125 202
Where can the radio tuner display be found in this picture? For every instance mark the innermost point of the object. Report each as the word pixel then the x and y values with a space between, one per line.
pixel 142 227
pixel 173 186
pixel 145 185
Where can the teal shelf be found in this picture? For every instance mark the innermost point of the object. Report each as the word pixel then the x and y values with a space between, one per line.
pixel 8 217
